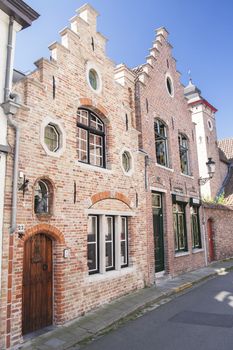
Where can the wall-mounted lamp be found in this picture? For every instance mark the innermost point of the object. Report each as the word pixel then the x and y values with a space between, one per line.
pixel 211 170
pixel 23 183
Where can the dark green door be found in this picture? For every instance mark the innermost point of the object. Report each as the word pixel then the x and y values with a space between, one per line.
pixel 158 231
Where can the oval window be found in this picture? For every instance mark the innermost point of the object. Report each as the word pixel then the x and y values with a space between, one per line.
pixel 93 79
pixel 126 161
pixel 169 86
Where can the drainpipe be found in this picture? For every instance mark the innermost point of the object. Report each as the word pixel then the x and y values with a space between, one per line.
pixel 10 106
pixel 9 59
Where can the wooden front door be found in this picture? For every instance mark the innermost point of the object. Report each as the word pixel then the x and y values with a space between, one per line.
pixel 37 283
pixel 211 239
pixel 158 231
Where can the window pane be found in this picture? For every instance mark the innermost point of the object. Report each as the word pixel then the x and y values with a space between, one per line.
pixel 180 234
pixel 161 155
pixel 92 245
pixel 109 243
pixel 92 257
pixel 123 253
pixel 51 138
pixel 96 123
pixel 82 116
pixel 96 150
pixel 82 145
pixel 41 199
pixel 124 241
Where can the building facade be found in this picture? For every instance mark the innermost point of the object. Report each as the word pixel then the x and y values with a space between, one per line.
pixel 168 138
pixel 81 230
pixel 108 194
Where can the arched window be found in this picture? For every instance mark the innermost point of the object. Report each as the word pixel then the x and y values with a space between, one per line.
pixel 91 138
pixel 161 143
pixel 42 197
pixel 184 154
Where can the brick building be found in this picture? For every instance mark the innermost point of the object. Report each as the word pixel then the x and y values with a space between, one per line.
pixel 81 238
pixel 168 139
pixel 108 189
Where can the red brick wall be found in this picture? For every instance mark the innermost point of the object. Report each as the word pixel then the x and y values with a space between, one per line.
pixel 173 111
pixel 222 219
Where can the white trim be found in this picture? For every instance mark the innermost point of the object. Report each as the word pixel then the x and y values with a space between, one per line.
pixel 109 212
pixel 110 275
pixel 93 167
pixel 62 135
pixel 178 255
pixel 188 176
pixel 131 171
pixel 158 189
pixel 164 167
pixel 197 250
pixel 89 66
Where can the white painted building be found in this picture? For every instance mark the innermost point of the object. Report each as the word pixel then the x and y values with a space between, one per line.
pixel 14 16
pixel 203 115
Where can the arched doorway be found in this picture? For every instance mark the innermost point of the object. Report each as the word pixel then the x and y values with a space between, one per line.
pixel 37 283
pixel 211 239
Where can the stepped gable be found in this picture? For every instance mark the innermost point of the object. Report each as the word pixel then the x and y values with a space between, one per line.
pixel 155 52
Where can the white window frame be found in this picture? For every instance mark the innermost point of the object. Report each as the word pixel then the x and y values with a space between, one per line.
pixel 116 245
pixel 61 133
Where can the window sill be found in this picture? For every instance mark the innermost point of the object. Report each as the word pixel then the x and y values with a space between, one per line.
pixel 197 250
pixel 92 167
pixel 43 217
pixel 188 176
pixel 164 167
pixel 180 254
pixel 109 275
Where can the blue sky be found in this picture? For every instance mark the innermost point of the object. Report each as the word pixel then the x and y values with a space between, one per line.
pixel 201 33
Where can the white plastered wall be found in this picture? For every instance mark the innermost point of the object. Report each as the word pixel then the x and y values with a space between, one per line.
pixel 198 119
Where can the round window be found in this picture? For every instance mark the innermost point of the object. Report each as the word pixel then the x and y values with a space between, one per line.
pixel 126 161
pixel 51 137
pixel 169 85
pixel 93 79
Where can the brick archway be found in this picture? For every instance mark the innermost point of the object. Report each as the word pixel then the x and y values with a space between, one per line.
pixel 47 229
pixel 109 195
pixel 96 108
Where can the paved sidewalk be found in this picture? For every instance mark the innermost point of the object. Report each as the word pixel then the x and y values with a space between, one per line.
pixel 101 320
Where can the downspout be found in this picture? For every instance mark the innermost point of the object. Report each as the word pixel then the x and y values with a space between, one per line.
pixel 14 98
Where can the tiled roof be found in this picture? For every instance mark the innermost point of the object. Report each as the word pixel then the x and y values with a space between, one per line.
pixel 226 146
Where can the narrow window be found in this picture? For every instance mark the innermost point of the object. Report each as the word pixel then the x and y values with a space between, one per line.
pixel 54 88
pixel 147 106
pixel 91 138
pixel 124 242
pixel 179 227
pixel 93 245
pixel 42 198
pixel 92 43
pixel 195 227
pixel 126 122
pixel 161 143
pixel 109 244
pixel 184 154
